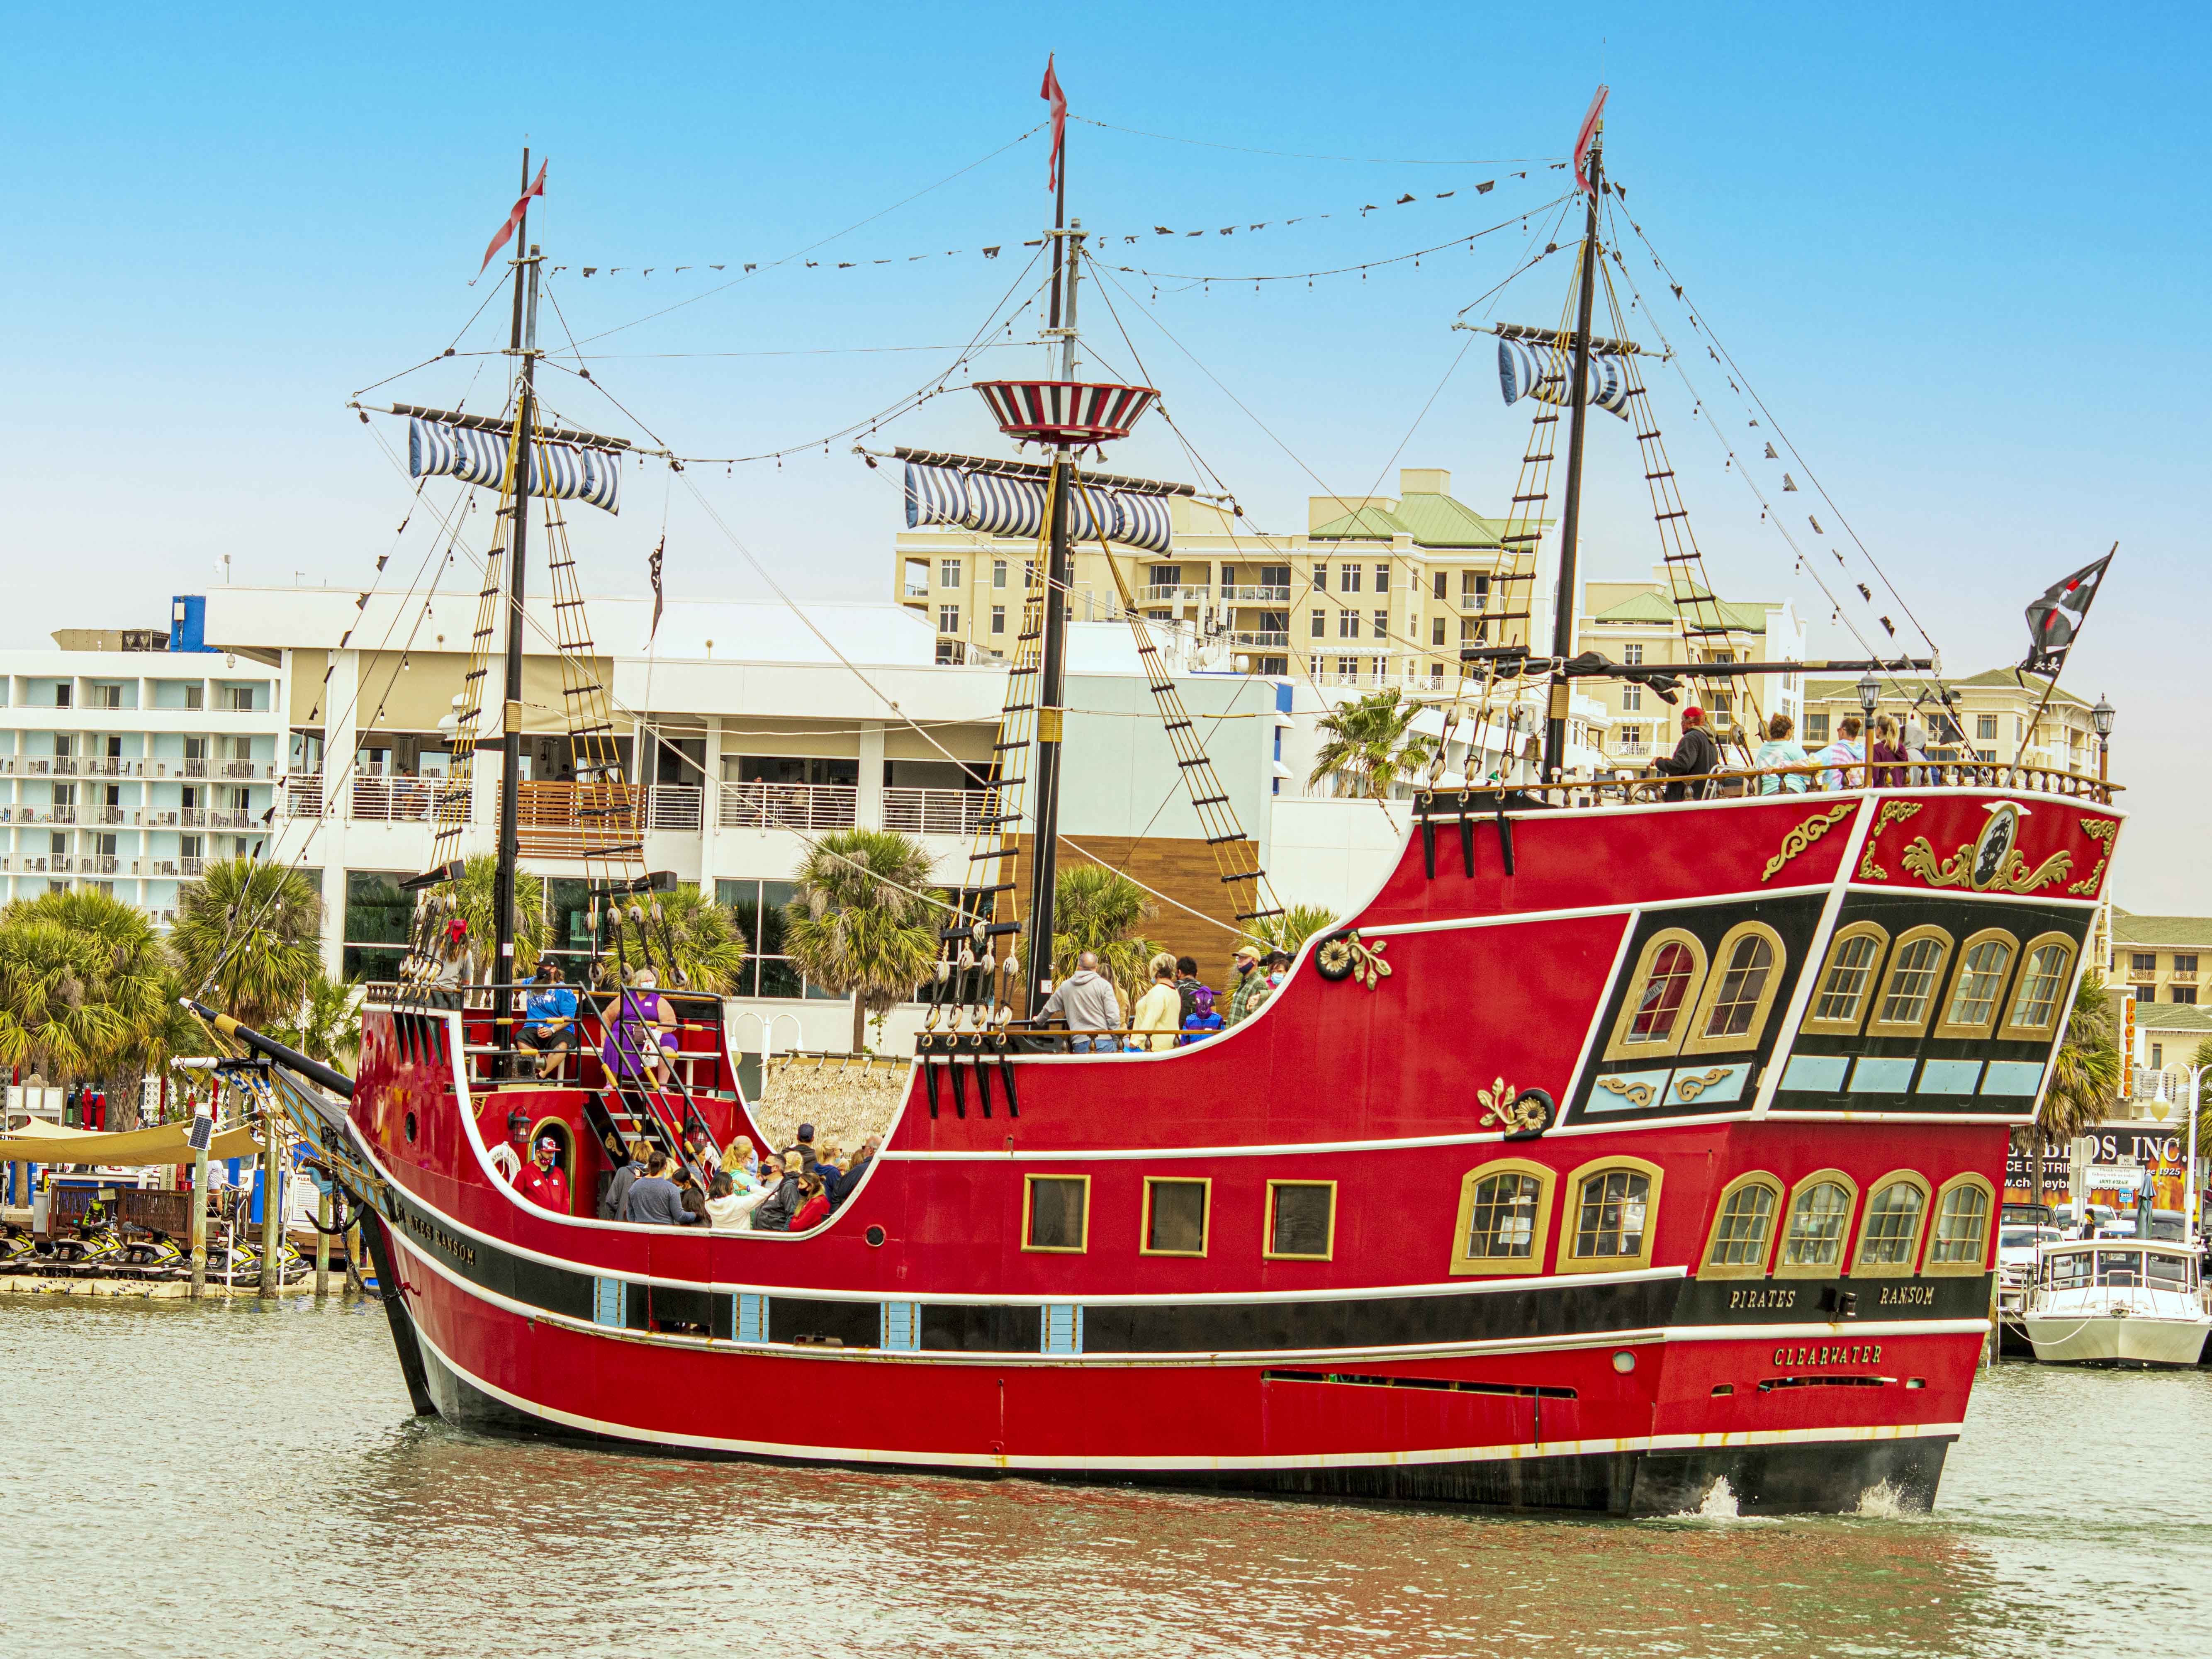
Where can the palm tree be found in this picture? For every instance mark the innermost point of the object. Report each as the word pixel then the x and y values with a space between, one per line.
pixel 1370 741
pixel 255 930
pixel 327 1025
pixel 1101 910
pixel 2084 1079
pixel 474 895
pixel 1297 924
pixel 127 969
pixel 703 938
pixel 51 1013
pixel 856 925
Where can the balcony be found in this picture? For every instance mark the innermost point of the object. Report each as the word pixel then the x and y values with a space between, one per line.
pixel 114 766
pixel 219 819
pixel 192 767
pixel 789 806
pixel 400 800
pixel 99 864
pixel 579 820
pixel 934 811
pixel 50 815
pixel 30 864
pixel 678 808
pixel 190 867
pixel 65 766
pixel 303 796
pixel 247 768
pixel 110 815
pixel 1262 641
pixel 1242 595
pixel 2182 976
pixel 1639 750
pixel 56 864
pixel 1184 594
pixel 39 767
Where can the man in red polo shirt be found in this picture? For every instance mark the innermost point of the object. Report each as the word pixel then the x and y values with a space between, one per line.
pixel 543 1182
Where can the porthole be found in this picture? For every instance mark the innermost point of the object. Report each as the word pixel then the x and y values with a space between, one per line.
pixel 875 1238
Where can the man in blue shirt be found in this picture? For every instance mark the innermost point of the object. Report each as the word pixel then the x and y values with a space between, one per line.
pixel 549 1020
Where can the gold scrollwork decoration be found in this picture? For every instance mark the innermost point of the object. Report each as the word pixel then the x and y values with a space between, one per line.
pixel 1347 956
pixel 1691 1087
pixel 2013 876
pixel 1805 835
pixel 1497 1103
pixel 1893 812
pixel 2102 831
pixel 1636 1094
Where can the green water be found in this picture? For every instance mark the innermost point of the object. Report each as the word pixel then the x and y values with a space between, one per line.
pixel 230 1480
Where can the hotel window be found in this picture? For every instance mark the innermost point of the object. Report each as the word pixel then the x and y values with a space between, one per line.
pixel 1743 1228
pixel 1301 1220
pixel 1610 1215
pixel 1820 1216
pixel 917 580
pixel 1347 668
pixel 758 907
pixel 1661 993
pixel 1321 624
pixel 998 573
pixel 1915 973
pixel 1631 737
pixel 2186 963
pixel 1472 630
pixel 1167 575
pixel 2182 993
pixel 1962 1227
pixel 1840 1002
pixel 1381 578
pixel 948 573
pixel 1504 1218
pixel 1436 630
pixel 1631 697
pixel 948 619
pixel 2143 962
pixel 1320 579
pixel 1632 655
pixel 998 619
pixel 1347 624
pixel 378 913
pixel 1175 1216
pixel 1056 1213
pixel 1439 584
pixel 1978 987
pixel 1816 729
pixel 1985 728
pixel 1380 622
pixel 1348 579
pixel 1889 1237
pixel 1738 997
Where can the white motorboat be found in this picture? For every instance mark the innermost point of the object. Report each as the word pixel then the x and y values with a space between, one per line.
pixel 2115 1302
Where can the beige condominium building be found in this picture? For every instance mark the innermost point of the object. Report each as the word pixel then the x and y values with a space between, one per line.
pixel 1992 715
pixel 1379 590
pixel 2157 957
pixel 1639 623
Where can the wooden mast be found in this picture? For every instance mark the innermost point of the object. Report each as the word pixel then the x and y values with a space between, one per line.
pixel 524 345
pixel 1563 607
pixel 1058 583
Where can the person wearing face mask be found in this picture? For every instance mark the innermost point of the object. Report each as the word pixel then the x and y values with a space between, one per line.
pixel 1249 979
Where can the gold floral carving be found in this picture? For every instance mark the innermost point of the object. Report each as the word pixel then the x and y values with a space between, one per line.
pixel 1957 870
pixel 1636 1094
pixel 1691 1087
pixel 2102 831
pixel 1805 835
pixel 1893 812
pixel 1498 1107
pixel 1347 956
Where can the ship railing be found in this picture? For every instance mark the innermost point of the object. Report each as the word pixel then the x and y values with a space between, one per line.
pixel 1621 787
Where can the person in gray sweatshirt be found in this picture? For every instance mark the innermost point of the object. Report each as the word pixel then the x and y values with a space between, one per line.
pixel 655 1201
pixel 1087 1001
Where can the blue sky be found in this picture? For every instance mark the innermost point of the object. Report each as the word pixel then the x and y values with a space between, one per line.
pixel 1955 249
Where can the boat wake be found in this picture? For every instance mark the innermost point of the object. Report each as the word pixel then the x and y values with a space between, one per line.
pixel 1720 1506
pixel 1883 1501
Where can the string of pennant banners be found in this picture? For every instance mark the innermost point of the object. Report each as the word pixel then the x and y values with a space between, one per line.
pixel 1096 239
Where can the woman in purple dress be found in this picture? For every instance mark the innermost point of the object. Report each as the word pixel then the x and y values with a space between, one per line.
pixel 637 1031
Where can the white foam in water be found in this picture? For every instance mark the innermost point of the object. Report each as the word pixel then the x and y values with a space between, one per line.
pixel 1884 1502
pixel 1720 1503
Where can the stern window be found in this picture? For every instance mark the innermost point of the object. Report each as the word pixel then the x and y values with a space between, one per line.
pixel 1175 1217
pixel 1745 1228
pixel 1611 1219
pixel 1979 986
pixel 2042 982
pixel 1057 1213
pixel 1911 985
pixel 1818 1221
pixel 1890 1238
pixel 1962 1226
pixel 1852 960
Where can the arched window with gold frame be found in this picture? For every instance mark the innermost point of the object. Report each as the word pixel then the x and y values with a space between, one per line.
pixel 1848 980
pixel 1611 1217
pixel 1504 1224
pixel 1958 1244
pixel 2039 996
pixel 1889 1233
pixel 1739 993
pixel 1817 1227
pixel 1977 984
pixel 1742 1235
pixel 1910 984
pixel 1661 993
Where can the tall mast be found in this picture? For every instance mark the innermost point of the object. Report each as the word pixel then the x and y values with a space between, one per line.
pixel 525 345
pixel 1058 583
pixel 1563 612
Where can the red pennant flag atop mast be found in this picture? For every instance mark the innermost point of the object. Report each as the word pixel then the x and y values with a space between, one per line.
pixel 514 218
pixel 1587 136
pixel 1051 94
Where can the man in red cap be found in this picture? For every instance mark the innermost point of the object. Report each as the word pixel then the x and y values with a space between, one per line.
pixel 1696 755
pixel 545 1181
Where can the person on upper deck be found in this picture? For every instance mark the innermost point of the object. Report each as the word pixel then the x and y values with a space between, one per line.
pixel 1188 985
pixel 1886 748
pixel 1781 749
pixel 1844 753
pixel 774 1215
pixel 729 1209
pixel 1159 1014
pixel 801 1150
pixel 1249 979
pixel 543 1182
pixel 549 1028
pixel 639 1027
pixel 1204 1019
pixel 849 1182
pixel 1696 755
pixel 1087 1001
pixel 813 1204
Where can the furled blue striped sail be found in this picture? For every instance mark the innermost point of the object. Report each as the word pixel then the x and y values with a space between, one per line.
pixel 562 471
pixel 996 505
pixel 1526 369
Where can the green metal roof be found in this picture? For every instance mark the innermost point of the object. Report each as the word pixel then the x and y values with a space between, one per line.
pixel 2154 932
pixel 1990 679
pixel 1432 521
pixel 2172 1016
pixel 1653 606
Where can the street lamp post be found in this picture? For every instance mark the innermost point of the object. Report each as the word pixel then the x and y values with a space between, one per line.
pixel 2101 717
pixel 1870 690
